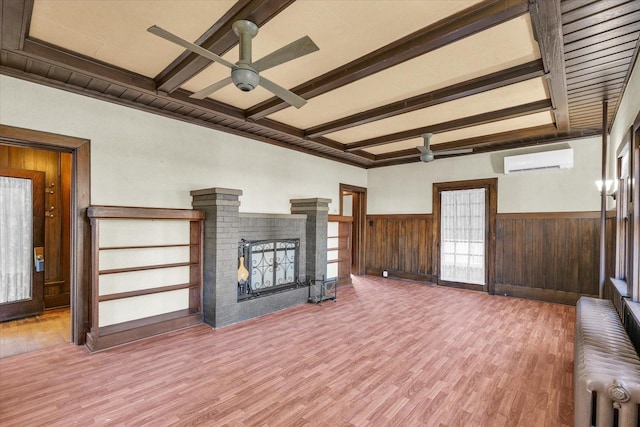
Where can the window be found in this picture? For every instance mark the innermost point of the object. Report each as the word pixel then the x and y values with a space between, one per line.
pixel 628 213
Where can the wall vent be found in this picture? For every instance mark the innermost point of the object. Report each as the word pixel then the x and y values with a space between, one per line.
pixel 557 159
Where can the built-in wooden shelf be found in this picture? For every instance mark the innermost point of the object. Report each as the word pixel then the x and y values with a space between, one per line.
pixel 101 337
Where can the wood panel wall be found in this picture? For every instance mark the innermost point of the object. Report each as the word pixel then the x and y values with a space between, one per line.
pixel 400 244
pixel 57 169
pixel 546 256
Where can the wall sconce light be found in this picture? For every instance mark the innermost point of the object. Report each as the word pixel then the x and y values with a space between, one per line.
pixel 607 185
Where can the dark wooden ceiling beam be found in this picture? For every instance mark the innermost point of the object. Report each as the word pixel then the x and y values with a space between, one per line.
pixel 15 17
pixel 547 30
pixel 39 51
pixel 475 142
pixel 219 39
pixel 75 62
pixel 475 19
pixel 478 119
pixel 539 135
pixel 481 84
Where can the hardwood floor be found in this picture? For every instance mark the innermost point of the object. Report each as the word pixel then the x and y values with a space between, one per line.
pixel 50 328
pixel 388 353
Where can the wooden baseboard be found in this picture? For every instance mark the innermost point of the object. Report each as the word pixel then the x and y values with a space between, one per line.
pixel 401 275
pixel 111 336
pixel 458 285
pixel 539 294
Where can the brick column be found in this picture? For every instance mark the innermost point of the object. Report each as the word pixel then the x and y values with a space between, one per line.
pixel 221 236
pixel 317 211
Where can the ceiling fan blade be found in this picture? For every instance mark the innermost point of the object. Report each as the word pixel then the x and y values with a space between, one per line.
pixel 160 32
pixel 203 93
pixel 282 93
pixel 293 50
pixel 450 152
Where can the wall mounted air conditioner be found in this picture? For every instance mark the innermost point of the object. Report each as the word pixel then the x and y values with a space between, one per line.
pixel 557 159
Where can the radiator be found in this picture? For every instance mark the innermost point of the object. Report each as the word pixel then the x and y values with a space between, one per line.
pixel 606 377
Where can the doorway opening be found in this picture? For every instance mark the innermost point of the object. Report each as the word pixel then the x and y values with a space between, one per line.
pixel 35 189
pixel 464 214
pixel 73 155
pixel 353 203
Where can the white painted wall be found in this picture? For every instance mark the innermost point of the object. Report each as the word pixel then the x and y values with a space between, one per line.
pixel 408 188
pixel 141 159
pixel 626 115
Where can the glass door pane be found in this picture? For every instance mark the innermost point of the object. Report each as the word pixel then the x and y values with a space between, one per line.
pixel 16 239
pixel 462 236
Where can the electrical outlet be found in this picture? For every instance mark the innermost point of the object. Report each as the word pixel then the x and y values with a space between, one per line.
pixel 385 273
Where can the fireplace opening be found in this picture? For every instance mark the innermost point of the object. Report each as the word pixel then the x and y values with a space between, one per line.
pixel 267 266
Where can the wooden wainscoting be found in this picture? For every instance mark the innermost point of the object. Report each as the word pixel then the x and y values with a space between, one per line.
pixel 400 244
pixel 551 256
pixel 57 169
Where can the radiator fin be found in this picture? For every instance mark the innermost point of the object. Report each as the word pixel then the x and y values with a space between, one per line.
pixel 606 368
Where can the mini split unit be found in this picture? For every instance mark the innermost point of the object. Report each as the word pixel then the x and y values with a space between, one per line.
pixel 558 159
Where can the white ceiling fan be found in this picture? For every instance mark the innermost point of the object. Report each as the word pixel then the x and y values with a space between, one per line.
pixel 426 155
pixel 245 74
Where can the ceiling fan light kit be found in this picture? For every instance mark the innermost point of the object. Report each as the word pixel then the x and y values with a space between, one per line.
pixel 245 74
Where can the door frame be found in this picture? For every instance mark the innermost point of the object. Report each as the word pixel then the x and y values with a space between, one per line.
pixel 35 304
pixel 358 228
pixel 491 211
pixel 79 149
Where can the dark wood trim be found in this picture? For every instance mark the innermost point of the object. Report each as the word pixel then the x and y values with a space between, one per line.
pixel 478 119
pixel 218 39
pixel 73 61
pixel 15 18
pixel 550 215
pixel 144 268
pixel 491 81
pixel 491 206
pixel 115 212
pixel 425 278
pixel 539 294
pixel 472 20
pixel 485 145
pixel 459 285
pixel 359 225
pixel 80 233
pixel 632 64
pixel 340 218
pixel 547 30
pixel 147 291
pixel 122 333
pixel 397 216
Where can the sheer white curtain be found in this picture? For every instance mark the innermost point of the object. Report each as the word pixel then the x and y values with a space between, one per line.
pixel 462 225
pixel 16 251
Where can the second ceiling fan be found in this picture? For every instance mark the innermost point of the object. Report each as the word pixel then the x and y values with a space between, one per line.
pixel 426 155
pixel 245 74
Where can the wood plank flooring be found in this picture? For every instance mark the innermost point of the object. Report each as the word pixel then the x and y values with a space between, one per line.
pixel 388 353
pixel 45 330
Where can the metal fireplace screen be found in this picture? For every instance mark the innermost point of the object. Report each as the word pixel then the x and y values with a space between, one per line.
pixel 272 266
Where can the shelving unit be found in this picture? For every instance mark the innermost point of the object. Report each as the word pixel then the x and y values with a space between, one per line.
pixel 100 337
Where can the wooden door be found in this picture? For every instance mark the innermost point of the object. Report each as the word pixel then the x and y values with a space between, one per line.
pixel 30 300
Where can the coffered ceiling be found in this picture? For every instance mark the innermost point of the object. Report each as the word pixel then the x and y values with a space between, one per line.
pixel 486 75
